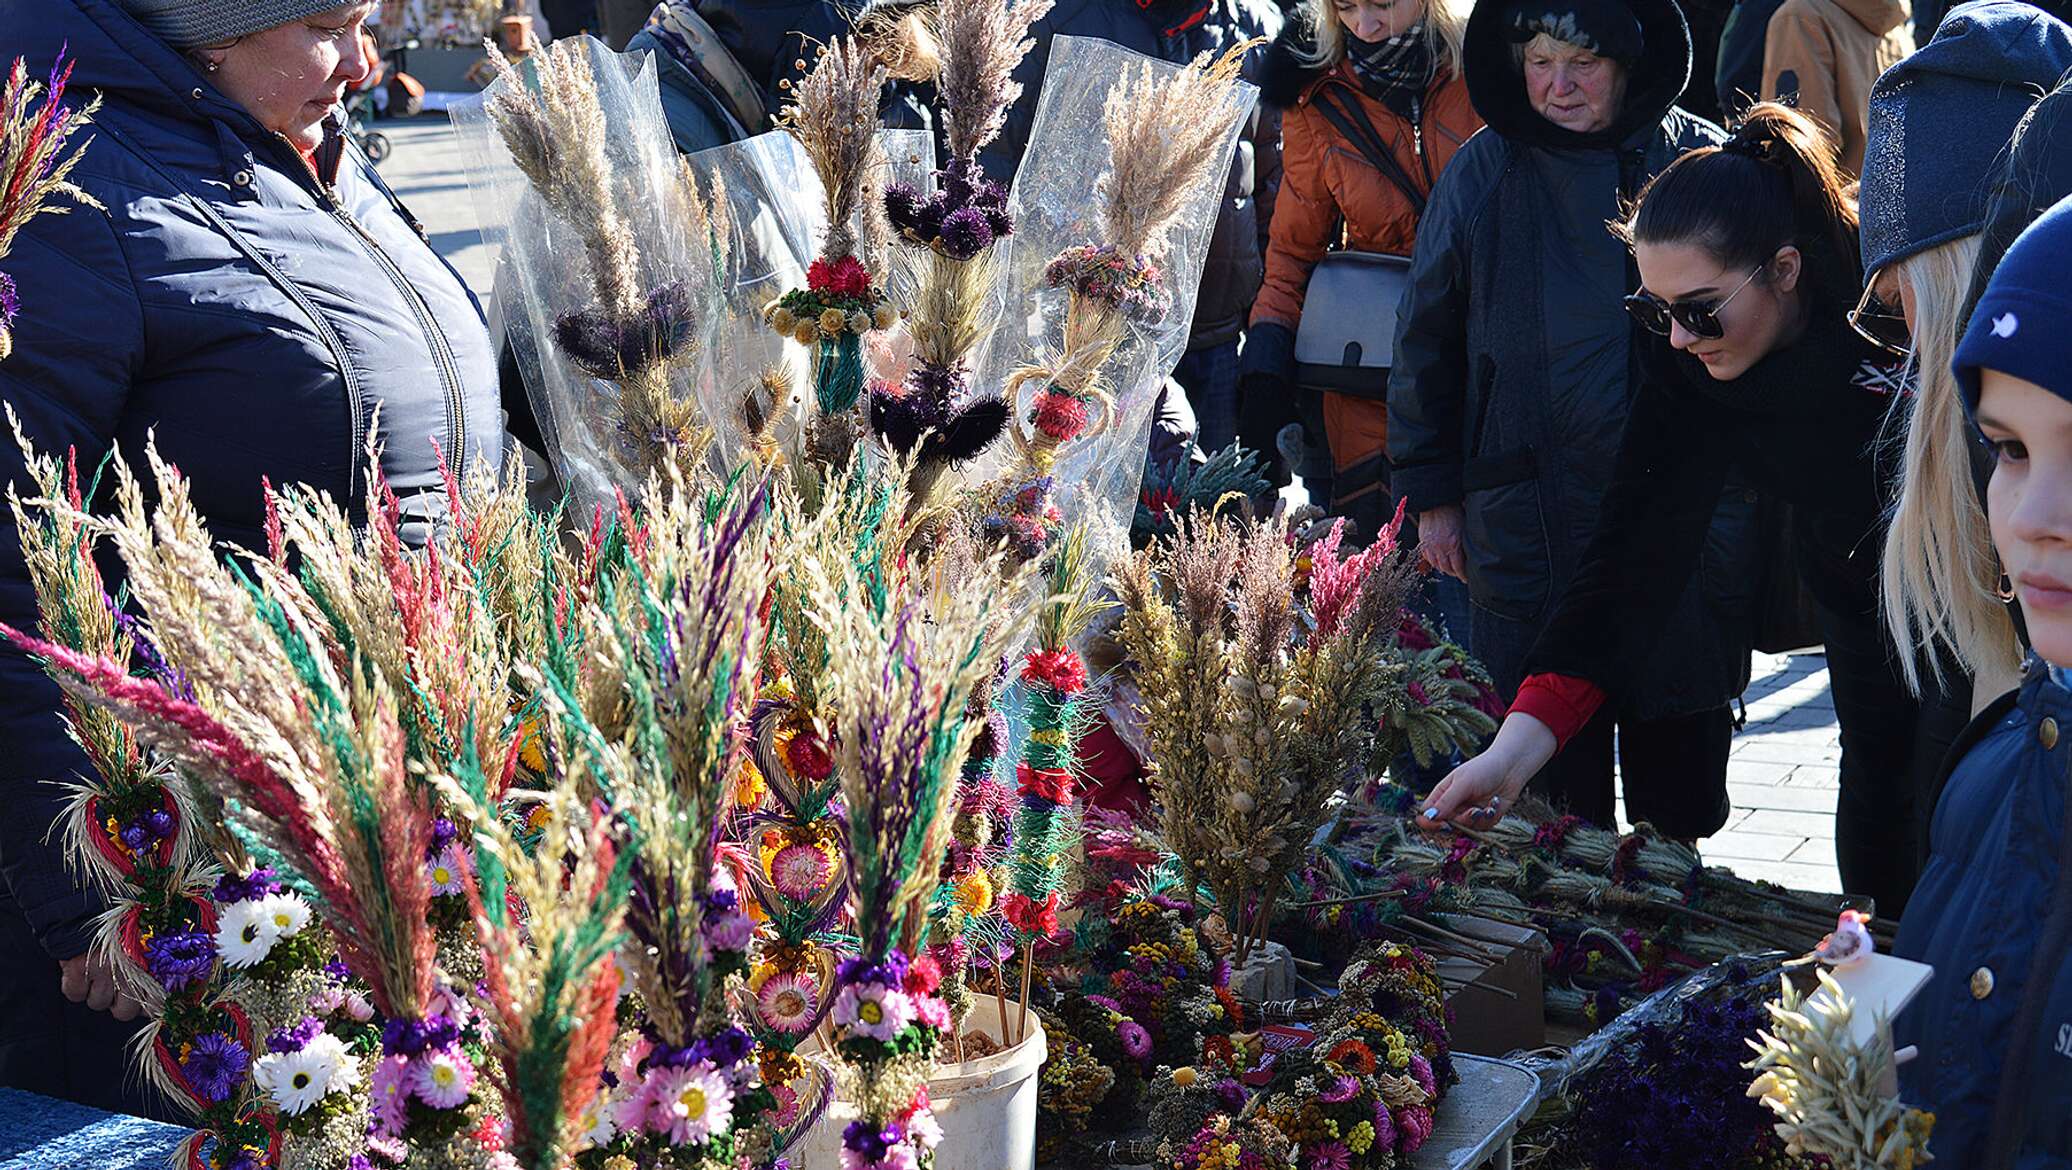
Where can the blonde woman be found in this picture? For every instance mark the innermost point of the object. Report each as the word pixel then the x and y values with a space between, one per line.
pixel 1355 78
pixel 1923 209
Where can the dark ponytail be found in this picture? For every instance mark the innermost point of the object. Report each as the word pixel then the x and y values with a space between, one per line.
pixel 1775 181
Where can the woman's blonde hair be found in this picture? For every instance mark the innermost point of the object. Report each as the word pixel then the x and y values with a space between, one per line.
pixel 1940 576
pixel 1445 26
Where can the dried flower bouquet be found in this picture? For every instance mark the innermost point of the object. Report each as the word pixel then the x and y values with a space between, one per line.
pixel 936 412
pixel 1167 134
pixel 1256 707
pixel 36 128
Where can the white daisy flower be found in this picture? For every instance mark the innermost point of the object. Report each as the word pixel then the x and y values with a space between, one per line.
pixel 286 914
pixel 297 1080
pixel 244 934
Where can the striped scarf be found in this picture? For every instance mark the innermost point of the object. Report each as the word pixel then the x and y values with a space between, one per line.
pixel 1396 71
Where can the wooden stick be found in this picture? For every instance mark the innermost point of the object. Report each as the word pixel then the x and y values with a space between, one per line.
pixel 1000 994
pixel 1028 966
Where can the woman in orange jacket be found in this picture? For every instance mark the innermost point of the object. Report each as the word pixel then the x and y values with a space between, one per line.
pixel 1391 67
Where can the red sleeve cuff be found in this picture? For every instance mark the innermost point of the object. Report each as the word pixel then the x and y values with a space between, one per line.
pixel 1563 702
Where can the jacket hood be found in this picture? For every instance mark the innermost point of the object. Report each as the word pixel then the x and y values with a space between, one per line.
pixel 1877 17
pixel 1656 81
pixel 119 58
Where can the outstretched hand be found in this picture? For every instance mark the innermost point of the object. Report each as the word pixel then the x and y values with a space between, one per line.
pixel 1478 793
pixel 90 980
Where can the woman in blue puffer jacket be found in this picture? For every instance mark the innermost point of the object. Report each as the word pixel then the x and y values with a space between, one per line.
pixel 249 292
pixel 1993 910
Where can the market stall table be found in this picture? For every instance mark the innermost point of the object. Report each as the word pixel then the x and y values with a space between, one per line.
pixel 1475 1123
pixel 42 1133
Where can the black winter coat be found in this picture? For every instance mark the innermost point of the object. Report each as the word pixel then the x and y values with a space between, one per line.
pixel 251 316
pixel 1801 426
pixel 1516 367
pixel 1171 30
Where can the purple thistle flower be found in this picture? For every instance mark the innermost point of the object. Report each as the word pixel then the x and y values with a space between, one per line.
pixel 443 833
pixel 216 1065
pixel 296 1038
pixel 179 961
pixel 610 348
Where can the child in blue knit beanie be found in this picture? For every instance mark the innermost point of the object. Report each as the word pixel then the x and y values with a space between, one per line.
pixel 1993 911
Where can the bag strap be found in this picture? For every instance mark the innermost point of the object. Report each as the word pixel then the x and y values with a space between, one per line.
pixel 1352 121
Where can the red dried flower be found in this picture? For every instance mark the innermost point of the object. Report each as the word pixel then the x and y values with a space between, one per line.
pixel 1062 670
pixel 1030 916
pixel 1051 784
pixel 1353 1055
pixel 924 975
pixel 846 277
pixel 808 757
pixel 1060 416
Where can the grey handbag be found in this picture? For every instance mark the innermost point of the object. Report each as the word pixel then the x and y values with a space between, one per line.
pixel 1346 338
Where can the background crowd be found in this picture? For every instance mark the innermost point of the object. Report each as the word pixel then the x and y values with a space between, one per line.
pixel 1702 341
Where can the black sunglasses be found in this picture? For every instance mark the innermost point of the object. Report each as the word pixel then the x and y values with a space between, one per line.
pixel 1699 318
pixel 1881 325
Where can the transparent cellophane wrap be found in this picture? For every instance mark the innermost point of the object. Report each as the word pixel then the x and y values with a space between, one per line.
pixel 545 273
pixel 778 216
pixel 1057 203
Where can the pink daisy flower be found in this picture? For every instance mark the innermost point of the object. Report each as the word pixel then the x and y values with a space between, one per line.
pixel 445 871
pixel 442 1079
pixel 874 1010
pixel 692 1105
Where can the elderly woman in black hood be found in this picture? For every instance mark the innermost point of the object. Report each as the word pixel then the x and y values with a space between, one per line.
pixel 1515 366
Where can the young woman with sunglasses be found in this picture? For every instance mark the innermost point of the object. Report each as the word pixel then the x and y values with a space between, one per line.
pixel 1747 254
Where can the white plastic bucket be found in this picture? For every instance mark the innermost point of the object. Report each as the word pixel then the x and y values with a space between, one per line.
pixel 986 1107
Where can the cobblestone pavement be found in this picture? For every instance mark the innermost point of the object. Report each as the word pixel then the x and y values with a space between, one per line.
pixel 1781 777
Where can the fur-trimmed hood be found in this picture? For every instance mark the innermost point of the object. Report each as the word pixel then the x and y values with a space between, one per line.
pixel 1283 76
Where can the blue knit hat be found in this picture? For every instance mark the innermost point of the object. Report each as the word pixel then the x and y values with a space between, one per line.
pixel 1941 117
pixel 2023 324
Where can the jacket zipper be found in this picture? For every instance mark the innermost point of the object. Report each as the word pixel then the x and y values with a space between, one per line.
pixel 1417 141
pixel 442 355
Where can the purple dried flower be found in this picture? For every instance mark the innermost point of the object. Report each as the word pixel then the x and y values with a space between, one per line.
pixel 1230 1094
pixel 871 1142
pixel 901 202
pixel 134 837
pixel 1340 1091
pixel 296 1038
pixel 216 1065
pixel 10 301
pixel 250 888
pixel 1135 1040
pixel 965 233
pixel 179 961
pixel 443 833
pixel 158 823
pixel 610 348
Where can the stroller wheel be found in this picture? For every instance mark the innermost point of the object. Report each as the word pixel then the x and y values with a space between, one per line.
pixel 376 144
